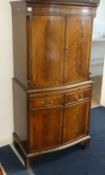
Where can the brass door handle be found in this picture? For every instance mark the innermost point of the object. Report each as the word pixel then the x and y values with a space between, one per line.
pixel 66 50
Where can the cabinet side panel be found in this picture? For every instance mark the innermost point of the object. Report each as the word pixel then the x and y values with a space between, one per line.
pixel 19 42
pixel 20 111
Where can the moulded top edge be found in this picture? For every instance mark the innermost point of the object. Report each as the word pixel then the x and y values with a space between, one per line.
pixel 64 1
pixel 75 2
pixel 84 1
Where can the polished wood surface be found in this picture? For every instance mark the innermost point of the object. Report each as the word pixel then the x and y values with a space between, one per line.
pixel 47 50
pixel 77 49
pixel 52 46
pixel 45 102
pixel 76 118
pixel 45 129
pixel 78 95
pixel 51 84
pixel 67 113
pixel 61 43
pixel 53 42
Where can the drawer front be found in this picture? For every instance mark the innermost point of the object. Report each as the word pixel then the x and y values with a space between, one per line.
pixel 77 96
pixel 45 102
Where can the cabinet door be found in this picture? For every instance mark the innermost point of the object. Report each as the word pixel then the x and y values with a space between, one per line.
pixel 45 129
pixel 76 121
pixel 77 48
pixel 47 50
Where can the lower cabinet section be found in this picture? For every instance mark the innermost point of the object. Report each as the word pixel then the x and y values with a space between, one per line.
pixel 49 128
pixel 51 120
pixel 55 120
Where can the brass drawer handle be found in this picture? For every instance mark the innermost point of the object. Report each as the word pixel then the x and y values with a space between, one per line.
pixel 80 97
pixel 42 103
pixel 46 105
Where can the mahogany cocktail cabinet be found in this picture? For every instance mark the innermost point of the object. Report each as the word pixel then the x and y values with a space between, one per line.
pixel 51 84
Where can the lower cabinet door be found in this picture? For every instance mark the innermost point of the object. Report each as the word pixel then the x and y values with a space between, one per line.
pixel 76 121
pixel 44 129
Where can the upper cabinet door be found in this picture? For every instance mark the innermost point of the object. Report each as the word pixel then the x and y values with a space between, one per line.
pixel 77 48
pixel 47 50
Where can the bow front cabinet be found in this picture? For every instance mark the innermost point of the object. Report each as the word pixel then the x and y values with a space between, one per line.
pixel 51 84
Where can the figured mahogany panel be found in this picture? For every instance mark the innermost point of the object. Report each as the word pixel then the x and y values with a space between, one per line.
pixel 45 129
pixel 76 121
pixel 47 50
pixel 77 49
pixel 45 102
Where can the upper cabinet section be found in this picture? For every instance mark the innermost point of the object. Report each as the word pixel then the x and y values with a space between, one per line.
pixel 59 41
pixel 55 40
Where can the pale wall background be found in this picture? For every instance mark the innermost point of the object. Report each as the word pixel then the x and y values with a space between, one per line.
pixel 6 70
pixel 98 45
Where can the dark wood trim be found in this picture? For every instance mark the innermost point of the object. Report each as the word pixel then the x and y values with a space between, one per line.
pixel 44 9
pixel 20 84
pixel 58 88
pixel 28 25
pixel 69 144
pixel 17 140
pixel 64 87
pixel 41 7
pixel 61 2
pixel 29 155
pixel 22 152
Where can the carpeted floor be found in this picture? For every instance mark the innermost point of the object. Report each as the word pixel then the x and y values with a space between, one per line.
pixel 72 161
pixel 10 162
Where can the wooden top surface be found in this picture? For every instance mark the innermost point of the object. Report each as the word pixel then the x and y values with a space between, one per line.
pixel 65 1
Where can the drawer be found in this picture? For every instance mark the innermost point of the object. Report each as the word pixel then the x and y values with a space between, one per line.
pixel 78 95
pixel 45 102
